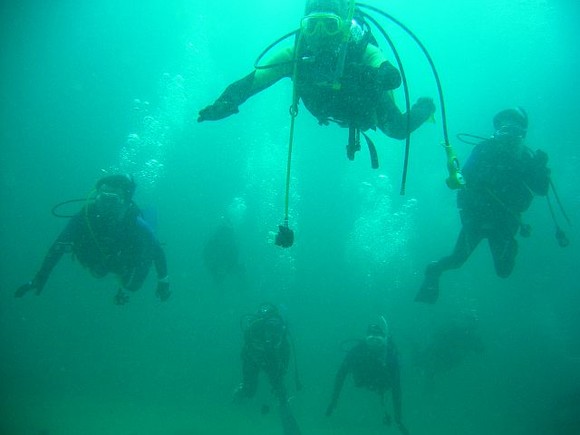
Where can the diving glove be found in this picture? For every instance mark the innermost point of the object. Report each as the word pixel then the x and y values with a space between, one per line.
pixel 219 110
pixel 121 298
pixel 540 158
pixel 163 291
pixel 330 408
pixel 29 286
pixel 423 109
pixel 365 77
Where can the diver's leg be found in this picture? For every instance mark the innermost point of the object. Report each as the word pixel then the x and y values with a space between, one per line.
pixel 250 373
pixel 467 241
pixel 276 374
pixel 394 123
pixel 504 250
pixel 276 377
pixel 289 423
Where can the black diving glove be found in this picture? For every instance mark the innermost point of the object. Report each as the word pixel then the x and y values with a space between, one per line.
pixel 163 292
pixel 365 77
pixel 330 408
pixel 33 285
pixel 540 158
pixel 218 110
pixel 423 109
pixel 121 298
pixel 402 427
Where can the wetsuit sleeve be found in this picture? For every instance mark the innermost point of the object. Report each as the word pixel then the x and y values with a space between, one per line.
pixel 266 77
pixel 538 177
pixel 394 123
pixel 388 76
pixel 238 92
pixel 373 72
pixel 159 260
pixel 149 250
pixel 56 251
pixel 373 56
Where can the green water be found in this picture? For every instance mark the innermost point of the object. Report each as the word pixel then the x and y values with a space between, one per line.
pixel 86 86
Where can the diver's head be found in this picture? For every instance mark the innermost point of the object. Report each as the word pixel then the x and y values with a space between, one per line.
pixel 325 23
pixel 114 195
pixel 511 125
pixel 338 7
pixel 271 325
pixel 267 310
pixel 376 338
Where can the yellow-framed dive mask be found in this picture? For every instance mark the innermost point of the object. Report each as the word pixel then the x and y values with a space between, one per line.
pixel 321 24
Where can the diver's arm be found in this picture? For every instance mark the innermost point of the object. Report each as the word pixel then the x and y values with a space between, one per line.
pixel 162 291
pixel 150 250
pixel 373 73
pixel 53 256
pixel 538 178
pixel 159 260
pixel 394 123
pixel 238 92
pixel 378 71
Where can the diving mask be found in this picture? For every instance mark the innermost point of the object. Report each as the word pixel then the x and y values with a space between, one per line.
pixel 110 201
pixel 376 342
pixel 321 24
pixel 514 131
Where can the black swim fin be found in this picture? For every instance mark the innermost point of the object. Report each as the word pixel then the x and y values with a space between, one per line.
pixel 289 424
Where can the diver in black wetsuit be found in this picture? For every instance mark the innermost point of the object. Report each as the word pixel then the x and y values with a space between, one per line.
pixel 108 235
pixel 267 348
pixel 502 177
pixel 374 365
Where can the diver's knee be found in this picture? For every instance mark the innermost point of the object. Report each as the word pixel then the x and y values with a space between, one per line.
pixel 395 133
pixel 504 272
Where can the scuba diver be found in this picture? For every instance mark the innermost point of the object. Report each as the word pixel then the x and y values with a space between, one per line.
pixel 221 253
pixel 374 365
pixel 447 348
pixel 108 235
pixel 339 72
pixel 502 176
pixel 342 76
pixel 267 347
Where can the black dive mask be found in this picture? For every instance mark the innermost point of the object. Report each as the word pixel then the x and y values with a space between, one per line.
pixel 510 132
pixel 110 204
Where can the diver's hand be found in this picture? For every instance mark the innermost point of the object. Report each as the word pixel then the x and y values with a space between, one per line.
pixel 29 286
pixel 540 158
pixel 218 110
pixel 402 428
pixel 423 108
pixel 121 298
pixel 163 292
pixel 330 408
pixel 366 77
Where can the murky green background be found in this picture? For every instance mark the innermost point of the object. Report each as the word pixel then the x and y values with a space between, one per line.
pixel 115 85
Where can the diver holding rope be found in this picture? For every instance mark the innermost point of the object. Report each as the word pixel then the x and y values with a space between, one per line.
pixel 342 76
